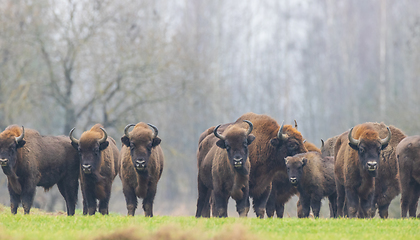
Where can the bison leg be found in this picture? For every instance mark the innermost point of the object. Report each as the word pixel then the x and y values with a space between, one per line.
pixel 148 200
pixel 68 189
pixel 242 206
pixel 203 200
pixel 305 203
pixel 89 202
pixel 260 202
pixel 14 199
pixel 366 206
pixel 414 201
pixel 352 202
pixel 341 196
pixel 221 201
pixel 316 206
pixel 130 200
pixel 333 205
pixel 271 204
pixel 28 194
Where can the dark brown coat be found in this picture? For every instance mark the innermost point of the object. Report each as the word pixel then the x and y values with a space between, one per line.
pixel 224 169
pixel 357 158
pixel 98 156
pixel 267 155
pixel 37 160
pixel 408 154
pixel 313 177
pixel 141 166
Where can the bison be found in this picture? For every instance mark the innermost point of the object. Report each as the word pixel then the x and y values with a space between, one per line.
pixel 311 147
pixel 327 148
pixel 142 161
pixel 225 170
pixel 313 177
pixel 98 166
pixel 357 159
pixel 408 154
pixel 29 159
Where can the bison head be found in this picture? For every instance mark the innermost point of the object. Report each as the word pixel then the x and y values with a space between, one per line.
pixel 10 140
pixel 141 141
pixel 236 141
pixel 288 141
pixel 89 146
pixel 368 148
pixel 294 166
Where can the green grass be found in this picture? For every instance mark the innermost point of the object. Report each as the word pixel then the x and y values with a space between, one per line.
pixel 41 225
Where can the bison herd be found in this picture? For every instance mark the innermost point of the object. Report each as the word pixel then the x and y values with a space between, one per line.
pixel 360 171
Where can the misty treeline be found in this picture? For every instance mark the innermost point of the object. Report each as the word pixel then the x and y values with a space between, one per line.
pixel 187 65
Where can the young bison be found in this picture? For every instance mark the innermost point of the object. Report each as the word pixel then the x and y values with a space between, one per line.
pixel 141 166
pixel 313 176
pixel 408 154
pixel 98 165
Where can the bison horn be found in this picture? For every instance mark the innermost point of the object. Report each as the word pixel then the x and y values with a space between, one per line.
pixel 20 138
pixel 154 129
pixel 352 140
pixel 295 124
pixel 322 143
pixel 386 140
pixel 73 140
pixel 217 134
pixel 104 137
pixel 280 133
pixel 126 129
pixel 250 127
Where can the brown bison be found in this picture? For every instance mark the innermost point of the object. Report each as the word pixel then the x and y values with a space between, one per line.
pixel 327 148
pixel 142 161
pixel 98 165
pixel 313 177
pixel 311 147
pixel 225 170
pixel 29 159
pixel 408 154
pixel 272 144
pixel 357 159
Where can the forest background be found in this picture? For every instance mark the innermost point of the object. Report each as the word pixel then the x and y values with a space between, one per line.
pixel 186 65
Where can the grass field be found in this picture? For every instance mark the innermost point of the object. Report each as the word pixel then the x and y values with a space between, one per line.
pixel 42 225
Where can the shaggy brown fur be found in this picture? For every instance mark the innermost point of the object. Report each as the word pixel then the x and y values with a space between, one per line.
pixel 355 178
pixel 313 176
pixel 408 155
pixel 217 171
pixel 327 148
pixel 267 155
pixel 101 157
pixel 38 161
pixel 311 147
pixel 141 182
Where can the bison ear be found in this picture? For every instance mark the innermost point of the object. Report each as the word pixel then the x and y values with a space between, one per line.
pixel 20 143
pixel 250 139
pixel 355 147
pixel 103 145
pixel 221 144
pixel 125 140
pixel 384 146
pixel 275 142
pixel 304 161
pixel 156 141
pixel 286 160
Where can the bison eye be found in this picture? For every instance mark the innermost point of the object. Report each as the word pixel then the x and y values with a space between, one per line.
pixel 361 150
pixel 227 147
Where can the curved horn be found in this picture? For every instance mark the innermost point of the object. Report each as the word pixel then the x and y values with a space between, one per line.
pixel 126 129
pixel 387 139
pixel 280 133
pixel 304 141
pixel 104 137
pixel 295 124
pixel 20 138
pixel 73 140
pixel 322 143
pixel 250 127
pixel 154 129
pixel 217 134
pixel 352 140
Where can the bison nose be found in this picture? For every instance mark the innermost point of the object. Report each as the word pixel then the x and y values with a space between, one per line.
pixel 238 162
pixel 372 166
pixel 87 168
pixel 140 164
pixel 293 180
pixel 4 162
